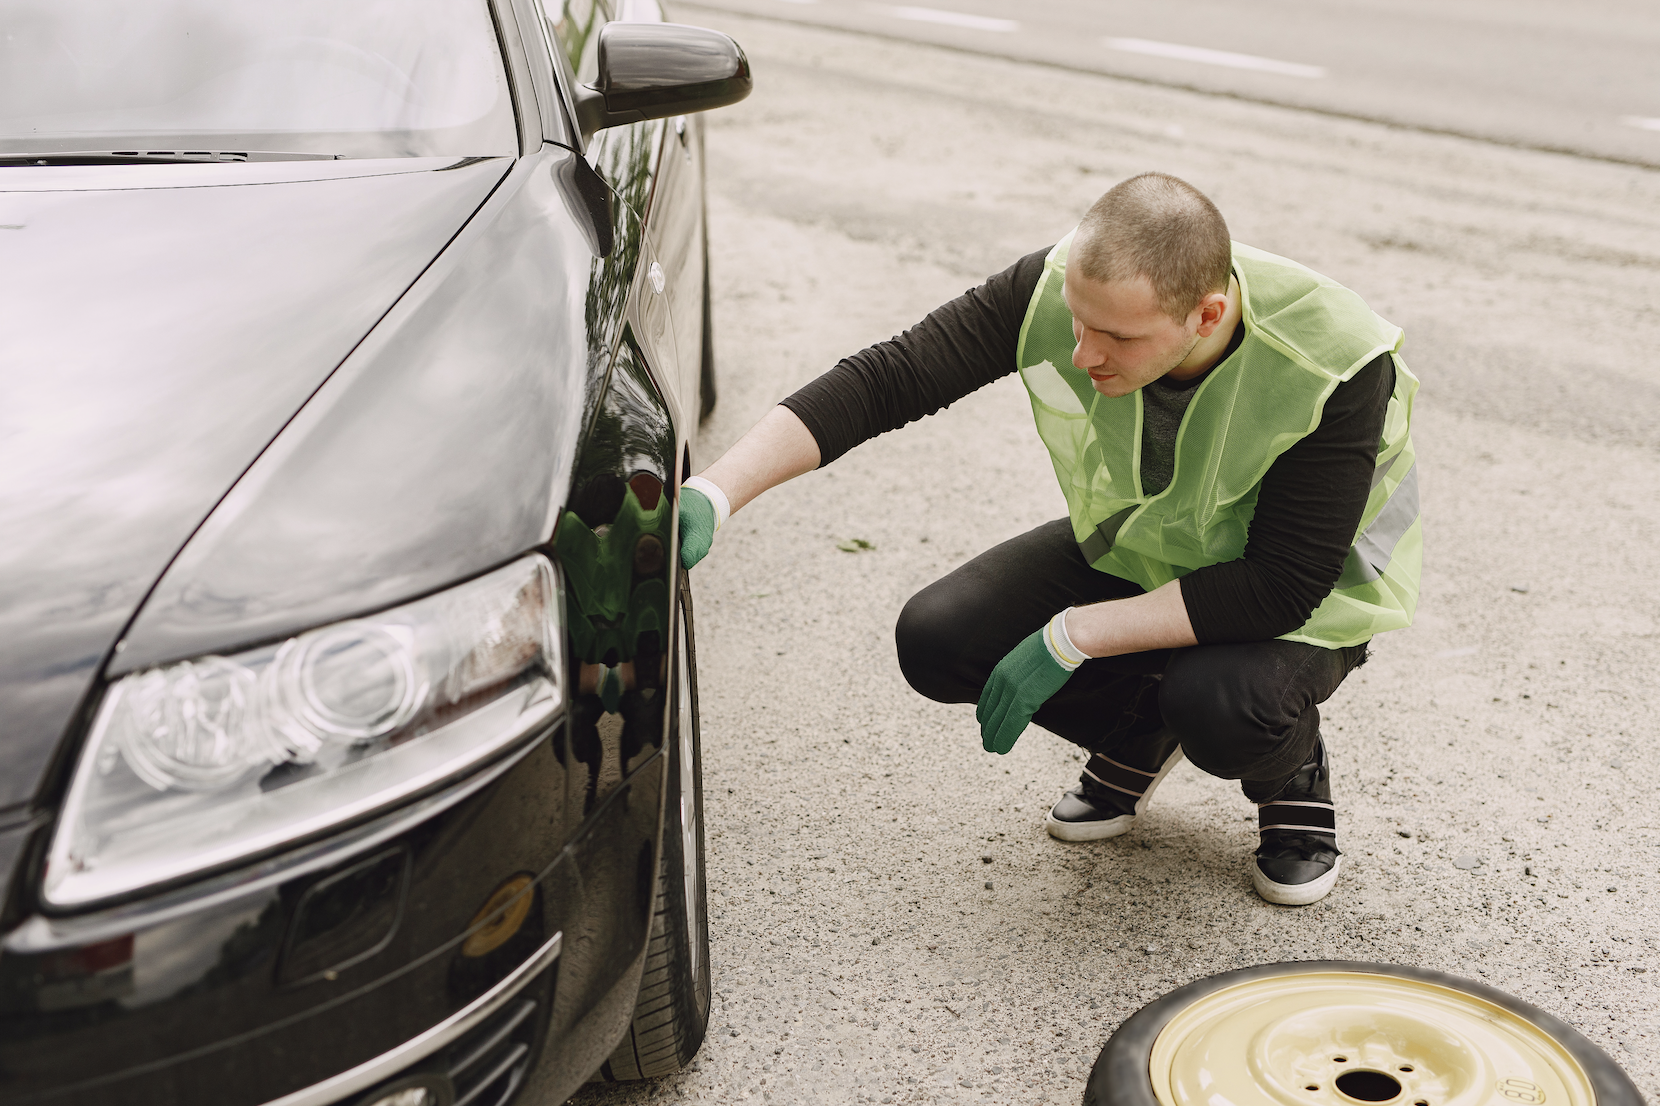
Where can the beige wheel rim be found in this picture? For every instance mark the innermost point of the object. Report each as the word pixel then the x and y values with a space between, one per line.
pixel 1338 1038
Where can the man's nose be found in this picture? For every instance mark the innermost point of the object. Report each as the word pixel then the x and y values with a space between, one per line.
pixel 1088 354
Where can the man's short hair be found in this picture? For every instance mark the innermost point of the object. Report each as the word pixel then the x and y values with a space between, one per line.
pixel 1160 227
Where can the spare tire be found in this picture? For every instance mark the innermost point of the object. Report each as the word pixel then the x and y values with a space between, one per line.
pixel 1344 1033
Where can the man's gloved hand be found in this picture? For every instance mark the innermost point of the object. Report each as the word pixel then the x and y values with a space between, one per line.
pixel 703 508
pixel 1023 681
pixel 697 526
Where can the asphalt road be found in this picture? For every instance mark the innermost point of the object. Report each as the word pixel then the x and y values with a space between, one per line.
pixel 1581 76
pixel 1495 764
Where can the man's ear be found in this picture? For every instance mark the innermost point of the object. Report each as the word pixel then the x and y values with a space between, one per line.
pixel 1211 311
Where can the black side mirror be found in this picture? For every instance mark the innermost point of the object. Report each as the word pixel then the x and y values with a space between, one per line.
pixel 654 70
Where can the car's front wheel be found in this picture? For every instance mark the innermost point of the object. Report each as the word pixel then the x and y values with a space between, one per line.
pixel 672 1012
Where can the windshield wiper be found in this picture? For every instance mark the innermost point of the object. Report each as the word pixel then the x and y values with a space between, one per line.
pixel 156 157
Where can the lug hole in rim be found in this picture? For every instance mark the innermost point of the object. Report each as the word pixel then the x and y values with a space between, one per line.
pixel 1406 1067
pixel 1312 1087
pixel 1364 1085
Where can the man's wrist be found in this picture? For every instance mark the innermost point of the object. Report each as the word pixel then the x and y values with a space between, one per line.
pixel 1059 643
pixel 716 497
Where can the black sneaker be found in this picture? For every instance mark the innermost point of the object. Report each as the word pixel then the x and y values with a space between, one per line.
pixel 1108 797
pixel 1298 860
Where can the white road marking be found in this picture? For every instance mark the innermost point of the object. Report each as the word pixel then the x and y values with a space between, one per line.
pixel 1214 57
pixel 1642 121
pixel 951 19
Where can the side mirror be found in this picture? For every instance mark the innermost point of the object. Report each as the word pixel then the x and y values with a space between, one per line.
pixel 654 70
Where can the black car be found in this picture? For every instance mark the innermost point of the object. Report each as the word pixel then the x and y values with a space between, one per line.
pixel 351 356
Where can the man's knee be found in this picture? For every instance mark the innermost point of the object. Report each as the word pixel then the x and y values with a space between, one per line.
pixel 1221 721
pixel 1205 721
pixel 929 637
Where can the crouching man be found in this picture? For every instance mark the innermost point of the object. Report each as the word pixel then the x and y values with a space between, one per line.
pixel 1232 434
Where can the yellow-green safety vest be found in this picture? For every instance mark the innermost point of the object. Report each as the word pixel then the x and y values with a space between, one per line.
pixel 1304 335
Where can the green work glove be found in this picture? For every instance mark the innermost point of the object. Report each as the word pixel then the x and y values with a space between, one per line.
pixel 703 507
pixel 1022 682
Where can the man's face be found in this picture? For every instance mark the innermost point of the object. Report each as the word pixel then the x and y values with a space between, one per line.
pixel 1124 341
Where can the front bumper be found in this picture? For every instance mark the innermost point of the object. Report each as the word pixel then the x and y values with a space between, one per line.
pixel 479 1054
pixel 331 971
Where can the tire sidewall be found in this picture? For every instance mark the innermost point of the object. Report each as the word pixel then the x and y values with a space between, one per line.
pixel 693 915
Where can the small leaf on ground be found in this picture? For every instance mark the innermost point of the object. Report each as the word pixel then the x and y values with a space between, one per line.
pixel 854 545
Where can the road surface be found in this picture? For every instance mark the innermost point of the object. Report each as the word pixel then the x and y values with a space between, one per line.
pixel 890 921
pixel 1582 76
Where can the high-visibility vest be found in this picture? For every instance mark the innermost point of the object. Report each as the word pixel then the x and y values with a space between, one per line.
pixel 1304 335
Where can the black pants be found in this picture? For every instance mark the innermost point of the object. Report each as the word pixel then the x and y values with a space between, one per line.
pixel 1244 712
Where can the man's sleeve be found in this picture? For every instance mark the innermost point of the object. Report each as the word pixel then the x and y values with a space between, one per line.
pixel 959 347
pixel 1307 512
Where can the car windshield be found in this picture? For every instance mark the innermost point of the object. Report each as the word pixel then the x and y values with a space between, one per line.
pixel 340 78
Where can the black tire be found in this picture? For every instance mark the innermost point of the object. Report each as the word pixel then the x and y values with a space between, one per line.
pixel 672 1012
pixel 1122 1073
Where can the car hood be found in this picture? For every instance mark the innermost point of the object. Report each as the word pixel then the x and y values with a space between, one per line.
pixel 159 325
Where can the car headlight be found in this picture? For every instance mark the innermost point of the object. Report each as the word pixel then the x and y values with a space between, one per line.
pixel 199 764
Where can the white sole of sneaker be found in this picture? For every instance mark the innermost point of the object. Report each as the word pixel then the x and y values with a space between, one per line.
pixel 1112 827
pixel 1294 894
pixel 1088 831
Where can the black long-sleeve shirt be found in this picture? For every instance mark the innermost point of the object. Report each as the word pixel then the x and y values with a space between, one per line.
pixel 1309 505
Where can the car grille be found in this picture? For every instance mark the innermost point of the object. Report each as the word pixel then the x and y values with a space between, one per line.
pixel 488 1065
pixel 491 1062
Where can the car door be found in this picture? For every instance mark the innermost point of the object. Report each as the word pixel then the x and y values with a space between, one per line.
pixel 628 158
pixel 676 237
pixel 674 230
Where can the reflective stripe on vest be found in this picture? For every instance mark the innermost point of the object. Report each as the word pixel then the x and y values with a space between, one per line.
pixel 1375 546
pixel 1304 335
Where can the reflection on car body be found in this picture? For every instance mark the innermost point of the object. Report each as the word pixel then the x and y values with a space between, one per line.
pixel 355 353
